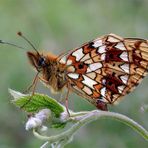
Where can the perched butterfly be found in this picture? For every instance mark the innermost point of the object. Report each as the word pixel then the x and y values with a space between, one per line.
pixel 101 71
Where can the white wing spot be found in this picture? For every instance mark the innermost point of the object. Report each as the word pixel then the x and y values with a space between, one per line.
pixel 124 56
pixel 73 75
pixel 124 79
pixel 78 54
pixel 97 43
pixel 104 81
pixel 88 82
pixel 94 66
pixel 125 67
pixel 120 88
pixel 87 90
pixel 103 56
pixel 69 62
pixel 102 49
pixel 103 91
pixel 120 46
pixel 63 60
pixel 112 39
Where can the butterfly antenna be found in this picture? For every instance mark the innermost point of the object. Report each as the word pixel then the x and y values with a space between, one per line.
pixel 21 35
pixel 3 42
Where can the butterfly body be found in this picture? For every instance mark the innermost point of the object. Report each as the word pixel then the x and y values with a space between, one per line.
pixel 102 70
pixel 52 73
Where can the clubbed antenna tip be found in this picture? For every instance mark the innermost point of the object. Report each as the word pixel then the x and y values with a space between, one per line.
pixel 19 33
pixel 3 42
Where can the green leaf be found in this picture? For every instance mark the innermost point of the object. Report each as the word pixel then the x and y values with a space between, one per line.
pixel 58 125
pixel 32 104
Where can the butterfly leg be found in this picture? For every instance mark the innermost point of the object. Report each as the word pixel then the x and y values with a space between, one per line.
pixel 101 105
pixel 62 99
pixel 66 101
pixel 33 85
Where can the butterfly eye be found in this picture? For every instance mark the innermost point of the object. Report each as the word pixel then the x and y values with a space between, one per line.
pixel 41 62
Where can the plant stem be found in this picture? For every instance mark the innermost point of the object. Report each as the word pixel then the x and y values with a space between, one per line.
pixel 89 117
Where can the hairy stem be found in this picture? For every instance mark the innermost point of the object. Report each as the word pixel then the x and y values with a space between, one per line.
pixel 89 117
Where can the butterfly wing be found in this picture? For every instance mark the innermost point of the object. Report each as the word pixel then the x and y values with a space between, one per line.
pixel 107 68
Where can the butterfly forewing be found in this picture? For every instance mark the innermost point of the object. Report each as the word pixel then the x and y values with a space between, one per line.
pixel 106 68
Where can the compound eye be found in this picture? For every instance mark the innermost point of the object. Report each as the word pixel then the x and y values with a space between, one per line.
pixel 41 62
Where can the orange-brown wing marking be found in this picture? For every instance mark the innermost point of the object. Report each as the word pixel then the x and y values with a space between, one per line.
pixel 107 68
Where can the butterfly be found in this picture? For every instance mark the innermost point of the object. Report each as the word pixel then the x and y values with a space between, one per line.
pixel 102 71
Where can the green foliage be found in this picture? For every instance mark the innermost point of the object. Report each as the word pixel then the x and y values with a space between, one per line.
pixel 35 103
pixel 32 104
pixel 58 125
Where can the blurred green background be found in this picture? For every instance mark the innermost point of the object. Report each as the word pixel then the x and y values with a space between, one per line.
pixel 57 26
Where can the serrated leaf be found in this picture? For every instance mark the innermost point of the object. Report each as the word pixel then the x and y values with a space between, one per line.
pixel 32 104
